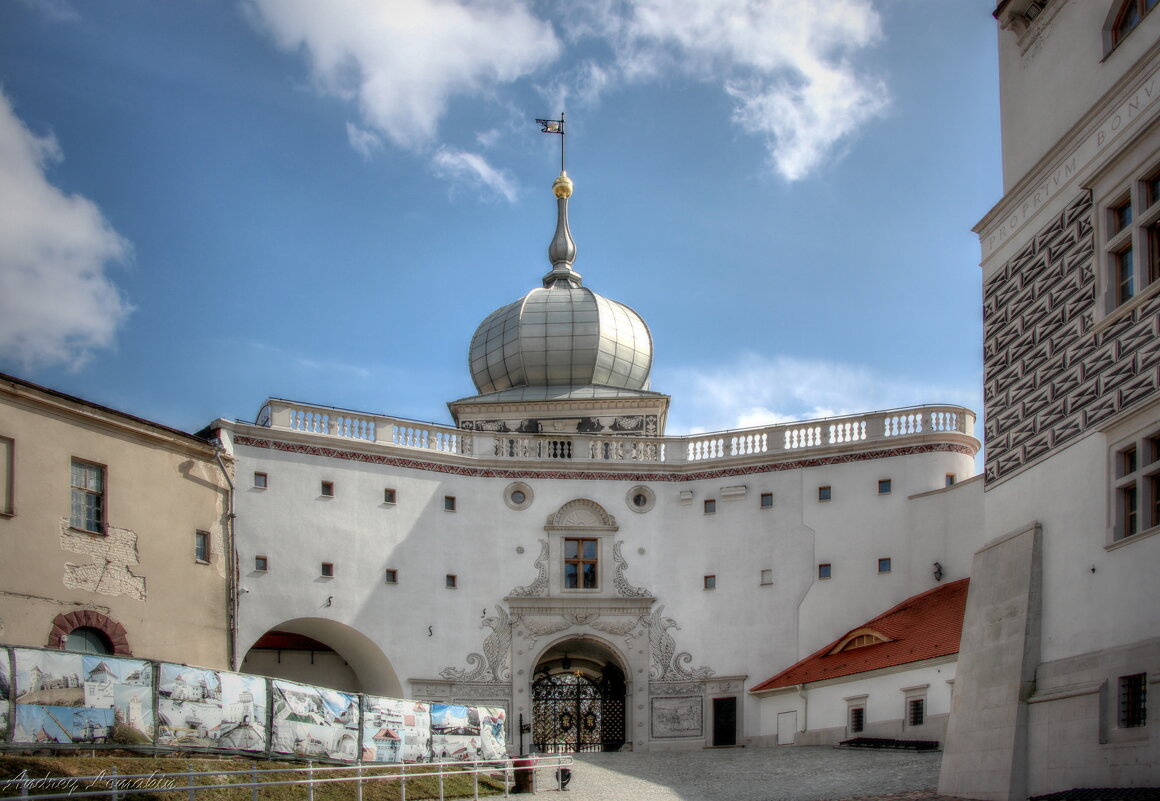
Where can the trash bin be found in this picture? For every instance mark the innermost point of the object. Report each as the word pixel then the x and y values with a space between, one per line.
pixel 525 771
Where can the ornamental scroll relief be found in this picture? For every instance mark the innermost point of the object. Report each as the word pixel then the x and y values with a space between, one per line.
pixel 493 666
pixel 539 587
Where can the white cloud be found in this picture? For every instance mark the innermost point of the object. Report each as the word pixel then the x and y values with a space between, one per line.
pixel 56 303
pixel 363 141
pixel 757 390
pixel 784 62
pixel 404 60
pixel 474 170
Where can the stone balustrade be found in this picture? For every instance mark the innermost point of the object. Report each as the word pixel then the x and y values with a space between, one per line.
pixel 895 427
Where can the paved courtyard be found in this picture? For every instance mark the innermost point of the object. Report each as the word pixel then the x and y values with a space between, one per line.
pixel 751 774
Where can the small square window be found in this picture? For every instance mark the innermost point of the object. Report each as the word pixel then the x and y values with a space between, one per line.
pixel 449 503
pixel 327 490
pixel 391 575
pixel 767 500
pixel 950 479
pixel 327 570
pixel 261 564
pixel 884 565
pixel 884 486
pixel 261 481
pixel 201 546
pixel 1133 701
pixel 710 506
pixel 824 493
pixel 451 581
pixel 390 496
pixel 824 570
pixel 766 576
pixel 710 582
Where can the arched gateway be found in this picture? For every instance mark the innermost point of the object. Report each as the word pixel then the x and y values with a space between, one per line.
pixel 578 699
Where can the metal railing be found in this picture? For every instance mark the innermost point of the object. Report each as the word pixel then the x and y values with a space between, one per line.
pixel 116 785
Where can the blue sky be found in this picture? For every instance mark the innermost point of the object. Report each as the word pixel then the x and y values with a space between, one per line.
pixel 212 202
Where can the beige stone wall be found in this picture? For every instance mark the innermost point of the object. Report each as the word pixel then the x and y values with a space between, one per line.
pixel 139 579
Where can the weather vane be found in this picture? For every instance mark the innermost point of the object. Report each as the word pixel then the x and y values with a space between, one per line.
pixel 555 127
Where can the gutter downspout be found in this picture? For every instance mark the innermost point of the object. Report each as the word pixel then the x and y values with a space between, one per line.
pixel 805 696
pixel 231 562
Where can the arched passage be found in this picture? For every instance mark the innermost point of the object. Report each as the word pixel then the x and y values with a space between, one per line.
pixel 578 698
pixel 325 653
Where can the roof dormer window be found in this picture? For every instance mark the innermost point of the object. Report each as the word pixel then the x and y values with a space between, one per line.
pixel 859 638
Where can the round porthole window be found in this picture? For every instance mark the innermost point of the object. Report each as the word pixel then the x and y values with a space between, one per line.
pixel 640 499
pixel 518 495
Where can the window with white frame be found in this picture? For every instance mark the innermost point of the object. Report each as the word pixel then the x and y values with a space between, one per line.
pixel 1131 238
pixel 856 713
pixel 88 497
pixel 1135 472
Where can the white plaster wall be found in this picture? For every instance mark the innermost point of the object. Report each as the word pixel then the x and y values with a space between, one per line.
pixel 825 707
pixel 1083 611
pixel 1042 95
pixel 742 628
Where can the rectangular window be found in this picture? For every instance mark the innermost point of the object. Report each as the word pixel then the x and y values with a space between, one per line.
pixel 767 500
pixel 201 546
pixel 7 479
pixel 1135 465
pixel 1133 701
pixel 580 564
pixel 710 506
pixel 710 582
pixel 950 479
pixel 766 576
pixel 824 493
pixel 390 496
pixel 261 481
pixel 327 570
pixel 915 711
pixel 391 575
pixel 327 489
pixel 88 497
pixel 824 570
pixel 261 564
pixel 448 503
pixel 884 565
pixel 1119 217
pixel 451 581
pixel 884 486
pixel 857 719
pixel 1125 275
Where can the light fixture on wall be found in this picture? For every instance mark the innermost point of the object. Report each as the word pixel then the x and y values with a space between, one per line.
pixel 938 571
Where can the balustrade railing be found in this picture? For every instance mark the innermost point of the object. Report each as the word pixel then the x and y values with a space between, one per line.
pixel 855 431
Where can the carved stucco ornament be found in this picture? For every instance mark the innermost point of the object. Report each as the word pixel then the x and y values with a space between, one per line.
pixel 539 587
pixel 667 665
pixel 623 588
pixel 491 667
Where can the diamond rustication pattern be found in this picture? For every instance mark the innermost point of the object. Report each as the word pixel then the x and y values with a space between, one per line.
pixel 1047 377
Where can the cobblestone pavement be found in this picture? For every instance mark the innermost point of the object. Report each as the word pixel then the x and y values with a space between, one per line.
pixel 801 773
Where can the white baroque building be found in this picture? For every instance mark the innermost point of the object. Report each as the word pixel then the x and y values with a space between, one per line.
pixel 554 553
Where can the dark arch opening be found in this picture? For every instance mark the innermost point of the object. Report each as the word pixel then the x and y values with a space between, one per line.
pixel 578 699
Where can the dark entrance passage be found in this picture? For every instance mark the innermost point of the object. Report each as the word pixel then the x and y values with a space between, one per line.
pixel 577 705
pixel 724 721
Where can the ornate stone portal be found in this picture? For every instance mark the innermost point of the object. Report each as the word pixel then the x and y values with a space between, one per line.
pixel 615 622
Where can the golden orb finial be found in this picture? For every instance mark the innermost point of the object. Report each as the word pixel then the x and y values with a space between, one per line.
pixel 562 186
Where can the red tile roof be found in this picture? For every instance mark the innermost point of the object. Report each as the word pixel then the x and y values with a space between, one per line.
pixel 924 626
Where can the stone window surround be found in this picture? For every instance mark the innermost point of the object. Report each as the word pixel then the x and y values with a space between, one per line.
pixel 1138 431
pixel 63 624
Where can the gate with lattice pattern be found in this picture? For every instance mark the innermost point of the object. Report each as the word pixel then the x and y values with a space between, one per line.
pixel 573 712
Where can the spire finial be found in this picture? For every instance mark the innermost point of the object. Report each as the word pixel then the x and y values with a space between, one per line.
pixel 562 250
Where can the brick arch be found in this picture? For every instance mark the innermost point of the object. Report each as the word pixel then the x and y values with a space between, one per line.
pixel 62 625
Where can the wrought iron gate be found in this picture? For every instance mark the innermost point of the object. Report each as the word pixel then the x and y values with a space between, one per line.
pixel 573 713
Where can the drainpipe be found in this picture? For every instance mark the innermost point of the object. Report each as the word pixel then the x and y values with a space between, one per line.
pixel 805 696
pixel 231 561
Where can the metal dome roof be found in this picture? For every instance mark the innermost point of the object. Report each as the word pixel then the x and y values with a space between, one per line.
pixel 561 334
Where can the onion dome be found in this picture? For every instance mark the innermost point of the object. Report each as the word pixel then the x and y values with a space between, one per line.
pixel 562 338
